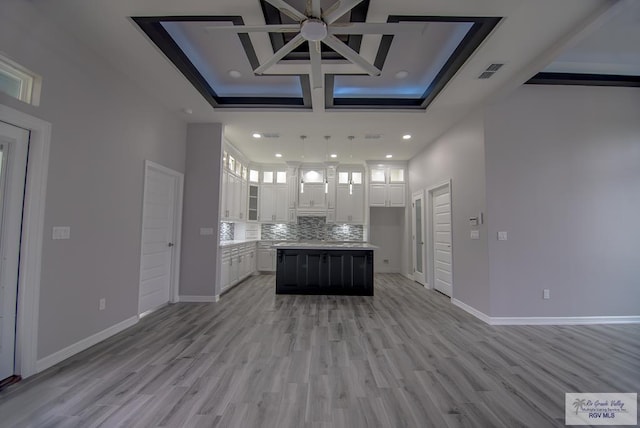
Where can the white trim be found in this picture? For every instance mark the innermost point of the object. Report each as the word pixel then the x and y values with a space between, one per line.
pixel 631 319
pixel 177 229
pixel 417 277
pixel 473 311
pixel 200 299
pixel 32 237
pixel 428 205
pixel 69 351
pixel 565 320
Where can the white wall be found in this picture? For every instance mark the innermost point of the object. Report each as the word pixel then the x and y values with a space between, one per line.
pixel 387 228
pixel 459 155
pixel 563 179
pixel 103 128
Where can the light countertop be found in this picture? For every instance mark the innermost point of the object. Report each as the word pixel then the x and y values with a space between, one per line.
pixel 237 242
pixel 325 245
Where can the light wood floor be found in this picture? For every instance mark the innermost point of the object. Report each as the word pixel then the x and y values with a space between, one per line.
pixel 405 357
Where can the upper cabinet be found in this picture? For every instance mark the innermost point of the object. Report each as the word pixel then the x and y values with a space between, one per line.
pixel 274 196
pixel 387 186
pixel 313 189
pixel 233 205
pixel 350 196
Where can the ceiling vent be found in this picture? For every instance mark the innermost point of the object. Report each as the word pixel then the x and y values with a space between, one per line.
pixel 372 136
pixel 490 71
pixel 270 135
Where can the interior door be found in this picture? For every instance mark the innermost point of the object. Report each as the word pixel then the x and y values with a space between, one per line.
pixel 418 238
pixel 14 143
pixel 158 238
pixel 442 252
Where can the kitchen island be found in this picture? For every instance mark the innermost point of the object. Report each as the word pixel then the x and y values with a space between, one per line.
pixel 332 268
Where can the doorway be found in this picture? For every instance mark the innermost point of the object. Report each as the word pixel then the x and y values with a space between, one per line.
pixel 14 145
pixel 160 242
pixel 441 257
pixel 418 238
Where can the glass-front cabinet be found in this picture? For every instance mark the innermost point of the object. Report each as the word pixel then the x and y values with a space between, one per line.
pixel 387 186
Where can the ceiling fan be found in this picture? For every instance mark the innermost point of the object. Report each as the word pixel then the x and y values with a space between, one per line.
pixel 317 26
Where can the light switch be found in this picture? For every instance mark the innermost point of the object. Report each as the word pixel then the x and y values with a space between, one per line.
pixel 206 231
pixel 475 234
pixel 61 232
pixel 502 236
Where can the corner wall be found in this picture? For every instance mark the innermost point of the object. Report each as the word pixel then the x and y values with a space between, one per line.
pixel 563 179
pixel 103 129
pixel 459 155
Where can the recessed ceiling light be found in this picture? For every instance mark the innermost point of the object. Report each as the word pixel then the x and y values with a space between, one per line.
pixel 388 156
pixel 235 74
pixel 187 110
pixel 278 155
pixel 333 155
pixel 406 137
pixel 257 135
pixel 401 74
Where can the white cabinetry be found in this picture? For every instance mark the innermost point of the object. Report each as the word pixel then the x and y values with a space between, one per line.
pixel 387 187
pixel 266 257
pixel 273 203
pixel 237 263
pixel 313 190
pixel 233 205
pixel 349 197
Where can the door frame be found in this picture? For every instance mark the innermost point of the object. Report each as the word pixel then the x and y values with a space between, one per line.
pixel 28 309
pixel 430 235
pixel 174 287
pixel 424 277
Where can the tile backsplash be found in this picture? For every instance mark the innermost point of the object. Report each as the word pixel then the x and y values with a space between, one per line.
pixel 312 229
pixel 226 231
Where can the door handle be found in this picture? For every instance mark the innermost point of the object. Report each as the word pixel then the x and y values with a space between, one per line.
pixel 170 244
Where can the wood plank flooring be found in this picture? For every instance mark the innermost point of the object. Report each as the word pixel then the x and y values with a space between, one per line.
pixel 405 357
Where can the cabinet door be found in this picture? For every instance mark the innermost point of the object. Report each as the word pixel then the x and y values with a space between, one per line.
pixel 343 204
pixel 357 204
pixel 281 204
pixel 377 195
pixel 267 203
pixel 236 260
pixel 231 196
pixel 244 190
pixel 225 270
pixel 304 199
pixel 224 214
pixel 396 195
pixel 265 260
pixel 252 211
pixel 318 197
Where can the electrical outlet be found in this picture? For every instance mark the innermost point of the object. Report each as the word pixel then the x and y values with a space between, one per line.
pixel 502 236
pixel 546 294
pixel 103 304
pixel 385 261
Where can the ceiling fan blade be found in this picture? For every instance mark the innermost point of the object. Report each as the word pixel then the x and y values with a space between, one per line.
pixel 316 67
pixel 282 28
pixel 378 28
pixel 282 52
pixel 334 43
pixel 286 9
pixel 316 12
pixel 338 9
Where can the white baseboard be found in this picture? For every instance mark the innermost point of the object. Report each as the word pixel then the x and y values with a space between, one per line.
pixel 69 351
pixel 545 320
pixel 564 320
pixel 473 311
pixel 199 299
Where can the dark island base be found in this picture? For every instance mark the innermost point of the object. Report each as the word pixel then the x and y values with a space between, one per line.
pixel 322 271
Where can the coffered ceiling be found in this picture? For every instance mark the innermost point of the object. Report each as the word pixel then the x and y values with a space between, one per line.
pixel 394 68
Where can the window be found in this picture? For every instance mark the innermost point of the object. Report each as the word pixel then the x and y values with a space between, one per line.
pixel 19 82
pixel 378 176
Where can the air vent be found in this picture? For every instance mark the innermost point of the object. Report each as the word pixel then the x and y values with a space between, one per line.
pixel 270 135
pixel 372 137
pixel 490 71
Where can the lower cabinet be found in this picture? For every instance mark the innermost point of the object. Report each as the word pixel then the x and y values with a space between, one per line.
pixel 266 259
pixel 333 272
pixel 237 263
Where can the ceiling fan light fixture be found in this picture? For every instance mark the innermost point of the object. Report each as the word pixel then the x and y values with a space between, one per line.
pixel 313 30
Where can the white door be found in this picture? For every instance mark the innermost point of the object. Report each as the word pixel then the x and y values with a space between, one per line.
pixel 14 143
pixel 159 236
pixel 418 238
pixel 441 227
